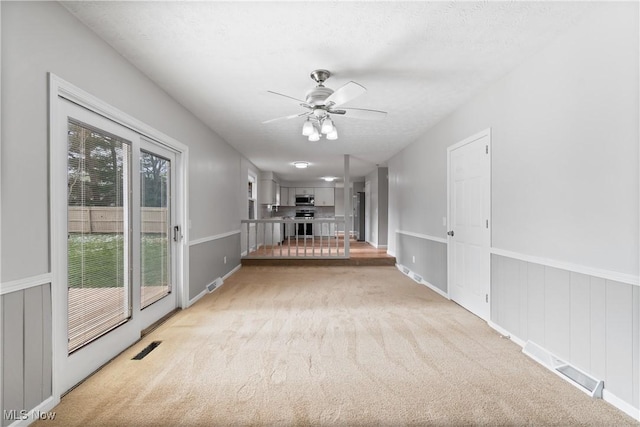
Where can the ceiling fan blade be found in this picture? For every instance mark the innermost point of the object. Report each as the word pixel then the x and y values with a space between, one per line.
pixel 345 93
pixel 361 113
pixel 293 116
pixel 287 96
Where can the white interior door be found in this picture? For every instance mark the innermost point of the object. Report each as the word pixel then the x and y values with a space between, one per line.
pixel 469 237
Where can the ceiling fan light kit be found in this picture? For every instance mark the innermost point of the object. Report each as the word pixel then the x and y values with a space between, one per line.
pixel 327 126
pixel 321 102
pixel 314 136
pixel 307 128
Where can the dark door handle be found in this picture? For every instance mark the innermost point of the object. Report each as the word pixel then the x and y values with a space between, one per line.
pixel 176 233
pixel 450 233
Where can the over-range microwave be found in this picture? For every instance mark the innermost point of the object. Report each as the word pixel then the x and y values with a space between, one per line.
pixel 304 200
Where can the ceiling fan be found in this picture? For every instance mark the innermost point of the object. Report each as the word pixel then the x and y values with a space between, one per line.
pixel 321 102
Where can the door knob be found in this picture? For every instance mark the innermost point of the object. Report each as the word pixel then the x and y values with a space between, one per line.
pixel 450 233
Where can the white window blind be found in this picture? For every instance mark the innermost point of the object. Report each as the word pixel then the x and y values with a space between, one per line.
pixel 98 243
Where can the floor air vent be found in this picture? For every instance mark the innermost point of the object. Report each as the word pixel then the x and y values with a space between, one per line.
pixel 581 380
pixel 417 278
pixel 148 349
pixel 405 270
pixel 215 284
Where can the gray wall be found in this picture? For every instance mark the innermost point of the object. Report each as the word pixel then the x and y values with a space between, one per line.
pixel 383 206
pixel 564 188
pixel 564 151
pixel 206 261
pixel 26 353
pixel 430 258
pixel 67 48
pixel 587 321
pixel 42 37
pixel 378 205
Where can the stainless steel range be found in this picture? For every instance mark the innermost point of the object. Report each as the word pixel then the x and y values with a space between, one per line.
pixel 305 229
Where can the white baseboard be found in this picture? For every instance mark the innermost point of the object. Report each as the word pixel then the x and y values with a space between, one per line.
pixel 236 268
pixel 204 292
pixel 506 333
pixel 607 396
pixel 42 411
pixel 625 407
pixel 411 275
pixel 196 298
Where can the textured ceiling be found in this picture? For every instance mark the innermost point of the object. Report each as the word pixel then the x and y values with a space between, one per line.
pixel 418 60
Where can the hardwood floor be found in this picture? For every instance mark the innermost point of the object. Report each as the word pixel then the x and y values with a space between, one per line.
pixel 360 253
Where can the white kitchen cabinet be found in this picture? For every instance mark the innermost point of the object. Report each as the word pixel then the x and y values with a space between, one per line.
pixel 267 192
pixel 284 196
pixel 324 197
pixel 305 190
pixel 278 198
pixel 290 229
pixel 287 196
pixel 272 230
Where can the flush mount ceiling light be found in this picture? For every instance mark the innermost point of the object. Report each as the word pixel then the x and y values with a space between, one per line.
pixel 329 178
pixel 301 165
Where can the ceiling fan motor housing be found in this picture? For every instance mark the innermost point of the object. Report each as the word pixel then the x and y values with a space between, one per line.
pixel 317 95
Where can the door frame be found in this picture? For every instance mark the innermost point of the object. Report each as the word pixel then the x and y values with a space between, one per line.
pixel 450 149
pixel 60 89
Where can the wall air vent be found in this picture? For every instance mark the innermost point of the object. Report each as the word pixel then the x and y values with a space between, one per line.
pixel 215 284
pixel 405 270
pixel 573 375
pixel 417 278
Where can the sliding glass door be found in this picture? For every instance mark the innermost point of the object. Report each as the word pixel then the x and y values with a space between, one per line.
pixel 122 235
pixel 157 235
pixel 98 230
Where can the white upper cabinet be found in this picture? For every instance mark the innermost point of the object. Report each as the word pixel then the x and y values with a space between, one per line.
pixel 268 192
pixel 304 190
pixel 324 197
pixel 284 196
pixel 287 196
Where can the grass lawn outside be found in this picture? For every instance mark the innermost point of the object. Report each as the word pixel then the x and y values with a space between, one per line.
pixel 97 260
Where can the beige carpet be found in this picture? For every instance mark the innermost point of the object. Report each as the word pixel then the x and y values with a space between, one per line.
pixel 328 346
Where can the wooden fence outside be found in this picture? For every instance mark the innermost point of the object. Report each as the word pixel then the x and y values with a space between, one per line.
pixel 99 219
